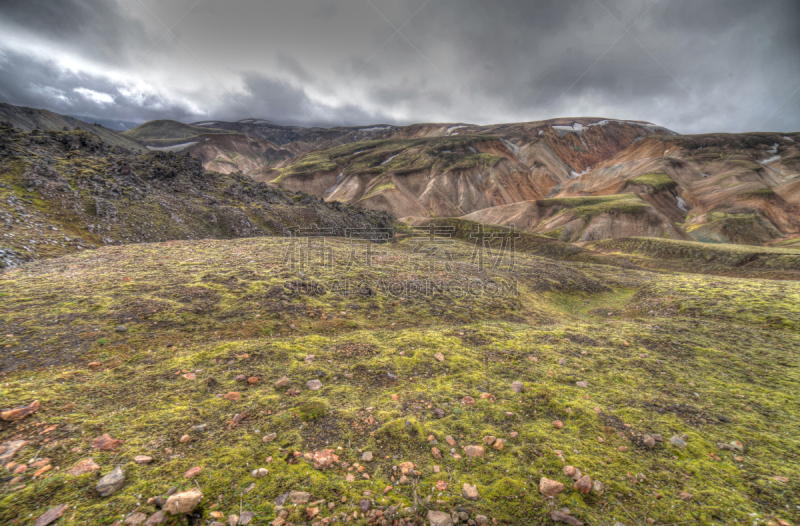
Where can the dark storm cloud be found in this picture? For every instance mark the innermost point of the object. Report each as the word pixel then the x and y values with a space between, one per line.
pixel 716 65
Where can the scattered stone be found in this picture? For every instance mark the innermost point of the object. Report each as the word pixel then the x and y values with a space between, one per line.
pixel 18 413
pixel 136 519
pixel 367 456
pixel 584 485
pixel 157 518
pixel 183 502
pixel 649 441
pixel 269 438
pixel 142 459
pixel 569 470
pixel 513 434
pixel 559 516
pixel 192 472
pixel 185 438
pixel 406 468
pixel 299 497
pixel 474 451
pixel 482 520
pixel 550 488
pixel 51 515
pixel 738 446
pixel 233 395
pixel 658 438
pixel 441 485
pixel 685 496
pixel 122 328
pixel 283 382
pixel 489 440
pixel 9 449
pixel 623 449
pixel 241 378
pixel 247 517
pixel 106 443
pixel 83 467
pixel 677 441
pixel 450 440
pixel 439 413
pixel 190 376
pixel 233 520
pixel 314 385
pixel 582 383
pixel 259 473
pixel 253 380
pixel 517 387
pixel 598 487
pixel 470 492
pixel 364 505
pixel 111 483
pixel 324 459
pixel 439 518
pixel 558 424
pixel 784 480
pixel 468 400
pixel 439 357
pixel 499 444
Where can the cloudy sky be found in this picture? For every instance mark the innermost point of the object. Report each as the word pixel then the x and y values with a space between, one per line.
pixel 692 65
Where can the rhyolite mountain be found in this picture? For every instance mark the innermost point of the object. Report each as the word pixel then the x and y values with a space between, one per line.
pixel 573 179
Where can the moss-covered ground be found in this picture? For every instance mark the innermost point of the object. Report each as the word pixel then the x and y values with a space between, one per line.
pixel 714 359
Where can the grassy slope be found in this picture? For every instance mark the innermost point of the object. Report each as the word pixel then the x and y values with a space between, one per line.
pixel 166 132
pixel 662 353
pixel 693 256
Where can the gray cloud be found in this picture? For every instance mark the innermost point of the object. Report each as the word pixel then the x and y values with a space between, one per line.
pixel 717 65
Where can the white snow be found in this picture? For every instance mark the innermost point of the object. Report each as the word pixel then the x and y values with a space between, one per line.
pixel 666 152
pixel 359 151
pixel 541 132
pixel 473 150
pixel 340 177
pixel 389 159
pixel 787 137
pixel 682 204
pixel 574 174
pixel 704 175
pixel 451 128
pixel 446 151
pixel 375 128
pixel 514 147
pixel 771 159
pixel 774 148
pixel 173 148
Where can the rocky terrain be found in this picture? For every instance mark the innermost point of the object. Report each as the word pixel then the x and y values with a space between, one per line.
pixel 66 191
pixel 207 382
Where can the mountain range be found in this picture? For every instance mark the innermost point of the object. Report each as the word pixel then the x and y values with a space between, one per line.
pixel 577 180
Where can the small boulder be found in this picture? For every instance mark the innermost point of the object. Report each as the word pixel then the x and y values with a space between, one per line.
pixel 550 488
pixel 259 473
pixel 677 441
pixel 439 518
pixel 314 385
pixel 246 518
pixel 122 328
pixel 560 516
pixel 649 441
pixel 269 438
pixel 584 485
pixel 106 443
pixel 142 459
pixel 469 492
pixel 83 467
pixel 439 357
pixel 474 451
pixel 111 483
pixel 517 387
pixel 367 456
pixel 283 382
pixel 184 502
pixel 135 519
pixel 51 515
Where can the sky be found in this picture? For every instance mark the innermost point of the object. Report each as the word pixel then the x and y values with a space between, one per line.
pixel 694 66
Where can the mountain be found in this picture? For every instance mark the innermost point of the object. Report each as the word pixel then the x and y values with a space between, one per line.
pixel 429 170
pixel 29 119
pixel 66 191
pixel 718 188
